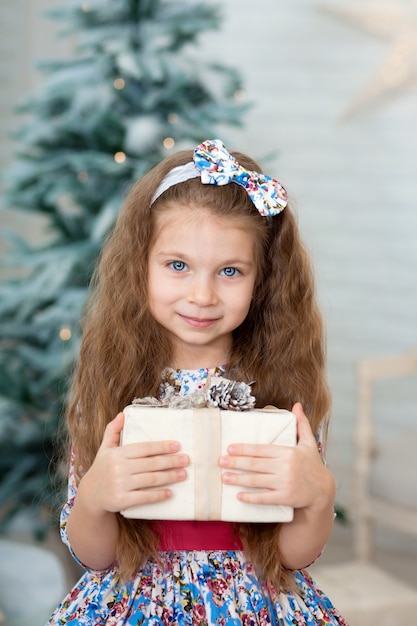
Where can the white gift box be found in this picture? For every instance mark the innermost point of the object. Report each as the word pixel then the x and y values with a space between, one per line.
pixel 205 434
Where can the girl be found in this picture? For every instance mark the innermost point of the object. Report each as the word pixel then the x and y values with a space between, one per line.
pixel 204 275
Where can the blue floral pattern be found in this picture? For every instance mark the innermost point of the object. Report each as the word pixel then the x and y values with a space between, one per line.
pixel 218 167
pixel 190 587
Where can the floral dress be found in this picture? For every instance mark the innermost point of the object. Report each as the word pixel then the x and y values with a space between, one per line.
pixel 186 587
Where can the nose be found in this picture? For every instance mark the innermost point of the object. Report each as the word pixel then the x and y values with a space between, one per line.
pixel 202 292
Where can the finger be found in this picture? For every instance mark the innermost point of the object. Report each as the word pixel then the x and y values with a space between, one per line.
pixel 139 497
pixel 261 497
pixel 251 480
pixel 264 488
pixel 141 465
pixel 152 480
pixel 304 433
pixel 259 450
pixel 111 437
pixel 143 497
pixel 261 464
pixel 150 449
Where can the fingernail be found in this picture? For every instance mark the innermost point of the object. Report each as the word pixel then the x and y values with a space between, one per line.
pixel 227 478
pixel 181 474
pixel 223 461
pixel 174 446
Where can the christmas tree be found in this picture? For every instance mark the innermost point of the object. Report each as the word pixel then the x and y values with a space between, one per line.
pixel 135 89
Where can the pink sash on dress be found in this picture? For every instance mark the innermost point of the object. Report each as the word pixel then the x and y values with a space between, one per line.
pixel 196 535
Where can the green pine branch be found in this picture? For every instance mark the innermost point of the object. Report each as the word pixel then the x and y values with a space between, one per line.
pixel 136 77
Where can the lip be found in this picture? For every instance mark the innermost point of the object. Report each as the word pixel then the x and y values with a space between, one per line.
pixel 198 322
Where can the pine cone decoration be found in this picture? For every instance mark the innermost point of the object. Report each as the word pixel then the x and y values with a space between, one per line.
pixel 230 395
pixel 148 401
pixel 221 393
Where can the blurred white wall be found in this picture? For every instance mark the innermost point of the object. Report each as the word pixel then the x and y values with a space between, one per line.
pixel 353 181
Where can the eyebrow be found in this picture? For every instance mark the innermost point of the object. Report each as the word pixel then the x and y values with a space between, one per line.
pixel 237 261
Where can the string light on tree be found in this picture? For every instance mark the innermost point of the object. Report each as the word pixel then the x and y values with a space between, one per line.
pixel 65 334
pixel 120 157
pixel 173 118
pixel 82 176
pixel 119 83
pixel 168 143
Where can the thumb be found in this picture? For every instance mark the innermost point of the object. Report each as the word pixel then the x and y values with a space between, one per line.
pixel 111 437
pixel 304 433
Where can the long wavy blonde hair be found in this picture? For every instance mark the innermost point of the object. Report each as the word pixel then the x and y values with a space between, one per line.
pixel 280 345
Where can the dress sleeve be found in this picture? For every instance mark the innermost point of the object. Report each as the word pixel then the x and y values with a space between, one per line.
pixel 65 513
pixel 66 510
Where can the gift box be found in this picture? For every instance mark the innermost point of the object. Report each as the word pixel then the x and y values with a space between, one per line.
pixel 205 434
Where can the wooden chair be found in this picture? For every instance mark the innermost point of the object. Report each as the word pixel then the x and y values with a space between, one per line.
pixel 363 592
pixel 385 474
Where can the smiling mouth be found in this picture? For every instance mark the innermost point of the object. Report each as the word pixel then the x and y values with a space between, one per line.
pixel 198 322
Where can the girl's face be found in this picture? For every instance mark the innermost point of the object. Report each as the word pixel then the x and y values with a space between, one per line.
pixel 202 272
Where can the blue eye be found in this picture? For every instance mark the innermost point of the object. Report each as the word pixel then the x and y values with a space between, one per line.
pixel 229 271
pixel 178 266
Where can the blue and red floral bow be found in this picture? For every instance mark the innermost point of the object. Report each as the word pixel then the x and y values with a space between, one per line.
pixel 218 167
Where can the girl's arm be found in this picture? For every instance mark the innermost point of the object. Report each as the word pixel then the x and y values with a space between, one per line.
pixel 314 488
pixel 292 476
pixel 115 481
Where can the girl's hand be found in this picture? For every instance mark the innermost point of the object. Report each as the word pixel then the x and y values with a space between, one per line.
pixel 120 476
pixel 291 476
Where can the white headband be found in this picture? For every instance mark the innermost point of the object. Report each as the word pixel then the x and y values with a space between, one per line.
pixel 178 175
pixel 215 166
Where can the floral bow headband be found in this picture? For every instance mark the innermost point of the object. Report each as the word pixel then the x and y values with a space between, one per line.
pixel 215 166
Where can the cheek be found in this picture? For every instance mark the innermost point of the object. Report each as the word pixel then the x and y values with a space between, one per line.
pixel 246 301
pixel 161 291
